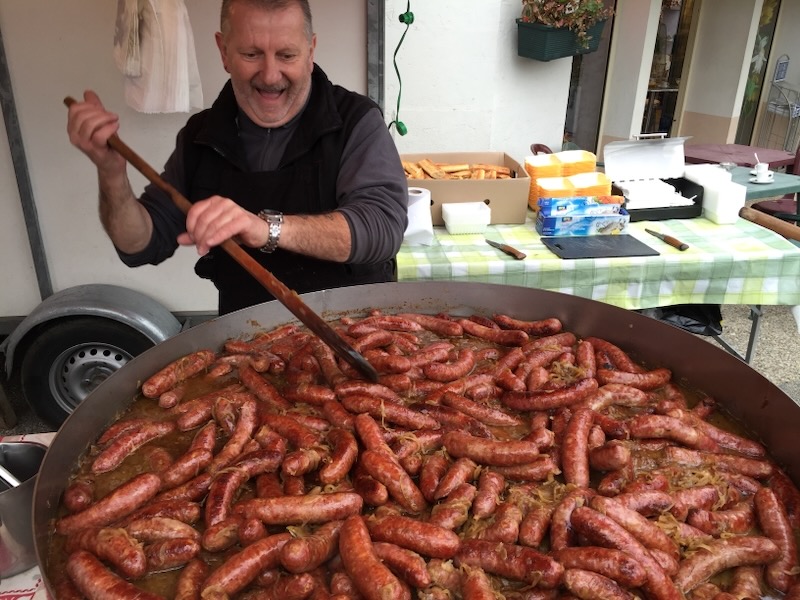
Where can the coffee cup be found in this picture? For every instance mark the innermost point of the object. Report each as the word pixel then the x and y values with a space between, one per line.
pixel 763 173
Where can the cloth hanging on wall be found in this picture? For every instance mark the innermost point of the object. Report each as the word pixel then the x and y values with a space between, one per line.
pixel 154 50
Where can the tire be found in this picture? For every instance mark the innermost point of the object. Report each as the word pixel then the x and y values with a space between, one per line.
pixel 68 359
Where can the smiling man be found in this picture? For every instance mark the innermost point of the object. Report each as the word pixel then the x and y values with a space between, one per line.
pixel 301 172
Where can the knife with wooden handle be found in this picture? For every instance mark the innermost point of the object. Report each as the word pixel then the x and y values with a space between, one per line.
pixel 507 249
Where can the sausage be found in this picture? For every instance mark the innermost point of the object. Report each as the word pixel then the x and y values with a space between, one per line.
pixel 703 497
pixel 538 470
pixel 96 582
pixel 390 411
pixel 243 431
pixel 221 495
pixel 297 434
pixel 511 561
pixel 125 444
pixel 113 545
pixel 373 492
pixel 401 487
pixel 260 341
pixel 289 510
pixel 441 327
pixel 180 509
pixel 504 337
pixel 186 467
pixel 546 400
pixel 775 524
pixel 788 494
pixel 434 466
pixel 304 554
pixel 724 439
pixel 647 502
pixel 153 529
pixel 611 456
pixel 604 531
pixel 538 328
pixel 738 519
pixel 648 380
pixel 746 583
pixel 451 419
pixel 485 414
pixel 534 525
pixel 193 490
pixel 475 585
pixel 671 428
pixel 752 467
pixel 588 585
pixel 372 578
pixel 190 579
pixel 505 524
pixel 262 388
pixel 722 554
pixel 609 562
pixel 171 553
pixel 644 530
pixel 463 470
pixel 342 458
pixel 561 532
pixel 78 495
pixel 490 487
pixel 405 563
pixel 176 372
pixel 616 394
pixel 241 568
pixel 424 538
pixel 445 372
pixel 338 415
pixel 489 452
pixel 117 504
pixel 287 587
pixel 304 460
pixel 222 535
pixel 396 322
pixel 618 357
pixel 575 448
pixel 453 511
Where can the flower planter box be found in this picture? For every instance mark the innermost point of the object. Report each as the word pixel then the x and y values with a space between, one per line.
pixel 542 42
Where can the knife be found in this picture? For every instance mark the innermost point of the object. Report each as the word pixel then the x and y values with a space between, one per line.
pixel 668 239
pixel 507 249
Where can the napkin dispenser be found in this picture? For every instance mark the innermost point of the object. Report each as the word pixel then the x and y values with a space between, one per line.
pixel 652 160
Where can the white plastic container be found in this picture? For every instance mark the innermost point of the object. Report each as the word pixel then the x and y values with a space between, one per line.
pixel 722 201
pixel 466 217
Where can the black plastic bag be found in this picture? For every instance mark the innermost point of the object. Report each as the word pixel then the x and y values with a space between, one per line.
pixel 702 319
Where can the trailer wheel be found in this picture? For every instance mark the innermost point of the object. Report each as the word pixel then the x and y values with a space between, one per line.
pixel 68 359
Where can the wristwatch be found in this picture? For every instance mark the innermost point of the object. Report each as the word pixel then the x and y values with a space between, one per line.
pixel 274 219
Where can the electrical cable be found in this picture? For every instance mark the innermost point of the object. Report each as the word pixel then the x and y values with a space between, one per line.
pixel 406 18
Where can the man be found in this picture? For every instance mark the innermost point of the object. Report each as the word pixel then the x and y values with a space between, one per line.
pixel 300 172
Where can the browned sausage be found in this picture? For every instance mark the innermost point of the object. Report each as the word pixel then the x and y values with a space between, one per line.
pixel 170 554
pixel 504 337
pixel 722 554
pixel 489 452
pixel 485 414
pixel 405 563
pixel 575 448
pixel 112 545
pixel 96 582
pixel 304 554
pixel 241 568
pixel 117 504
pixel 153 529
pixel 490 487
pixel 546 400
pixel 177 371
pixel 79 495
pixel 402 488
pixel 190 579
pixel 475 584
pixel 588 585
pixel 434 466
pixel 648 380
pixel 289 510
pixel 437 325
pixel 463 470
pixel 421 537
pixel 772 518
pixel 540 327
pixel 612 563
pixel 125 444
pixel 511 561
pixel 372 578
pixel 453 510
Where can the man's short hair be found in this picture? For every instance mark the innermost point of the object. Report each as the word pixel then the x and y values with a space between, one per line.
pixel 268 5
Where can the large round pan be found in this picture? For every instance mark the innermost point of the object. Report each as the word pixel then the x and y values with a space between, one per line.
pixel 770 414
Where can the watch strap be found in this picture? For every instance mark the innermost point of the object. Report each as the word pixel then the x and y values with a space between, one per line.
pixel 274 219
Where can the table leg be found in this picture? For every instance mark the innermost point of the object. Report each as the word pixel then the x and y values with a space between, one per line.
pixel 755 316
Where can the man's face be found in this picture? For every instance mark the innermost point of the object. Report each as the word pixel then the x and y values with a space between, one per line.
pixel 270 61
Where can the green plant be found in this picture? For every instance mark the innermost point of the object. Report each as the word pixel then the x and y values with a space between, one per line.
pixel 577 15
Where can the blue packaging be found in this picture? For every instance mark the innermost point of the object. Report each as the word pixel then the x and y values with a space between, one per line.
pixel 584 205
pixel 582 225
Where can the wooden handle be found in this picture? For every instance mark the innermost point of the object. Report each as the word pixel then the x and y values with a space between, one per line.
pixel 272 284
pixel 787 230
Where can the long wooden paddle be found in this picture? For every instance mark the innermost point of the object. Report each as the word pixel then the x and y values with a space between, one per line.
pixel 272 284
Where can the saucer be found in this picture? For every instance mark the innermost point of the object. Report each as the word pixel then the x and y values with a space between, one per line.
pixel 770 180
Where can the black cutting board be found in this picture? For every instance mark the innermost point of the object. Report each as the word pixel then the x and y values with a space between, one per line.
pixel 597 246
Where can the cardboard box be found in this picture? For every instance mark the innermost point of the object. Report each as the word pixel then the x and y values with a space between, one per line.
pixel 582 224
pixel 507 198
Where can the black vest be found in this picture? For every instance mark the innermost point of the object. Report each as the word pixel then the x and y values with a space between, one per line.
pixel 304 183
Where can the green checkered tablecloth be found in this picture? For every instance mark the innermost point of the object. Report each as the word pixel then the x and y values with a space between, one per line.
pixel 741 263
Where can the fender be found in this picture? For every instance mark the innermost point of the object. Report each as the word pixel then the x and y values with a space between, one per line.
pixel 117 303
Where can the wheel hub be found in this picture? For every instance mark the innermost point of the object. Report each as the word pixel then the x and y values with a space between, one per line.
pixel 79 370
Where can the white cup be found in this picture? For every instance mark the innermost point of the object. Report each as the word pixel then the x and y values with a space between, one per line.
pixel 762 172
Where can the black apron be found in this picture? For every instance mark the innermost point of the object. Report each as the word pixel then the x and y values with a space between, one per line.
pixel 291 190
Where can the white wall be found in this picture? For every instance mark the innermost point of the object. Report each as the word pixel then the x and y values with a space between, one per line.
pixel 55 49
pixel 463 86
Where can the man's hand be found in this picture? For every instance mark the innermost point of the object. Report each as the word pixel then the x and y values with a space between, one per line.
pixel 216 219
pixel 89 126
